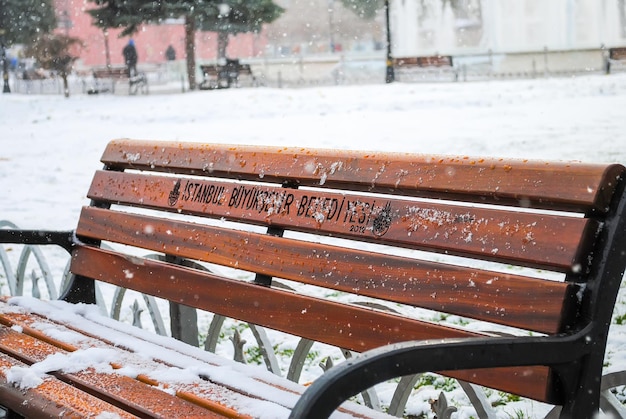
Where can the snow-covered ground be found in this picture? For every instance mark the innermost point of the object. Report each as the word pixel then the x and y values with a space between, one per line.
pixel 50 146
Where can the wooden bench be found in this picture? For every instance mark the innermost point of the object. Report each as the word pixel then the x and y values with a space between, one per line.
pixel 107 77
pixel 531 249
pixel 224 76
pixel 615 57
pixel 424 66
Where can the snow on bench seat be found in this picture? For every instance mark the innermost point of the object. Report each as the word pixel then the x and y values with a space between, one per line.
pixel 77 341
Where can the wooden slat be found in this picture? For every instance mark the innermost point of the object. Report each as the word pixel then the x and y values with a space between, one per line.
pixel 124 392
pixel 572 186
pixel 427 61
pixel 52 398
pixel 337 324
pixel 617 53
pixel 542 241
pixel 512 300
pixel 202 395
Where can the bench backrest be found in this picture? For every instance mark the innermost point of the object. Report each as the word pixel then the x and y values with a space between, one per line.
pixel 478 238
pixel 213 69
pixel 617 53
pixel 427 61
pixel 112 72
pixel 210 70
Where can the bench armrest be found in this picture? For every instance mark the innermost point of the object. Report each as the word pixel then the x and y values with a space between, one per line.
pixel 408 358
pixel 65 239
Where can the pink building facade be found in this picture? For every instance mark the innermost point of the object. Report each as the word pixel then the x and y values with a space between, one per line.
pixel 151 40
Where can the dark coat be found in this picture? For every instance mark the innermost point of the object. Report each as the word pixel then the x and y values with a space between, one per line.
pixel 130 55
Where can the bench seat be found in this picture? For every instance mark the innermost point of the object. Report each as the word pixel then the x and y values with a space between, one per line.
pixel 107 78
pixel 615 59
pixel 425 67
pixel 218 76
pixel 69 353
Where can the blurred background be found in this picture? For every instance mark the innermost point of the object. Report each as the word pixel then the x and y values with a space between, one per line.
pixel 312 42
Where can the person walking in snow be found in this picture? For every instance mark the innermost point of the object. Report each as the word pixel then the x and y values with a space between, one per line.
pixel 130 58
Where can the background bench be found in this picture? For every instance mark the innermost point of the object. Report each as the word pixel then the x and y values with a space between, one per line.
pixel 273 222
pixel 107 77
pixel 425 67
pixel 616 58
pixel 218 76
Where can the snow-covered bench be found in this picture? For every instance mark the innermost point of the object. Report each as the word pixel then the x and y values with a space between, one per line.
pixel 310 242
pixel 615 58
pixel 106 78
pixel 418 68
pixel 218 76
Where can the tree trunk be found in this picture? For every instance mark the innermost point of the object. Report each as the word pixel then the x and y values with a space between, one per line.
pixel 622 16
pixel 107 50
pixel 190 50
pixel 66 86
pixel 222 43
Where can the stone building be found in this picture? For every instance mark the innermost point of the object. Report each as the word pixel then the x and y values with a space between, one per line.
pixel 426 27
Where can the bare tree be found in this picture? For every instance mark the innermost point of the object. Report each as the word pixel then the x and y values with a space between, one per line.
pixel 56 53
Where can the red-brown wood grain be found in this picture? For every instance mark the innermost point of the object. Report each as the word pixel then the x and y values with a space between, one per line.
pixel 530 239
pixel 126 393
pixel 573 186
pixel 52 398
pixel 513 300
pixel 208 394
pixel 335 323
